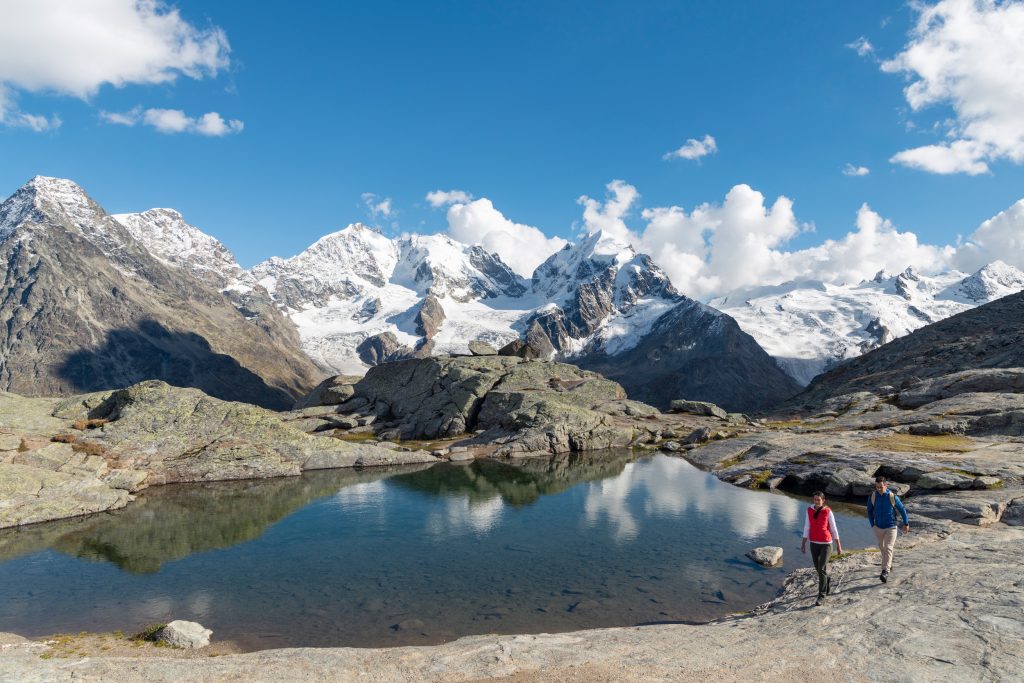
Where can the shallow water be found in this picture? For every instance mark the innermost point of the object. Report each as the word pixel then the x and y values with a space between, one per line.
pixel 412 555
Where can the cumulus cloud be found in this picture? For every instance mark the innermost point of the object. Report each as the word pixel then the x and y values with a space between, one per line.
pixel 170 121
pixel 968 55
pixel 852 170
pixel 439 198
pixel 610 214
pixel 741 242
pixel 379 207
pixel 694 149
pixel 522 247
pixel 75 48
pixel 999 238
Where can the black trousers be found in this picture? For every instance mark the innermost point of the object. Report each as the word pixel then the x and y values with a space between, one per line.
pixel 820 552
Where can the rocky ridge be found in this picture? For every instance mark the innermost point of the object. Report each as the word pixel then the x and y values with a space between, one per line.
pixel 88 307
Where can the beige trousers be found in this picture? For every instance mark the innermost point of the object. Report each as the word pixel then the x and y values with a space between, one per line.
pixel 886 543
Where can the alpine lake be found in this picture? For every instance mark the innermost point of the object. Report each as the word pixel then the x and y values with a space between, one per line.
pixel 414 555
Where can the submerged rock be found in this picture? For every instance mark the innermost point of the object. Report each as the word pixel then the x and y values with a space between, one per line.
pixel 766 556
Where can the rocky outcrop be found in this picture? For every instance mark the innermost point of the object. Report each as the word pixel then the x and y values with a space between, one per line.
pixel 185 635
pixel 86 307
pixel 697 408
pixel 381 348
pixel 522 407
pixel 480 348
pixel 91 453
pixel 429 317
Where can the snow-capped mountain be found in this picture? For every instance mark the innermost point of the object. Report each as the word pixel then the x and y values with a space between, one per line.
pixel 810 326
pixel 169 238
pixel 86 306
pixel 355 289
pixel 359 298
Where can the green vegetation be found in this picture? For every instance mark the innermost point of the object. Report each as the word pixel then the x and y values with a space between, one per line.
pixel 149 633
pixel 911 443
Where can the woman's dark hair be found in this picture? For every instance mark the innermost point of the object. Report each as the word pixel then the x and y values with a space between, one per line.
pixel 815 495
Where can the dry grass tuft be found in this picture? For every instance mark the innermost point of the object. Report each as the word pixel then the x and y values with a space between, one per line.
pixel 910 443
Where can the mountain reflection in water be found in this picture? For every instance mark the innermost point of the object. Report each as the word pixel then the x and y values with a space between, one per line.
pixel 412 555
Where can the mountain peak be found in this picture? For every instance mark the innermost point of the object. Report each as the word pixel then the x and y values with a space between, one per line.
pixel 44 199
pixel 992 281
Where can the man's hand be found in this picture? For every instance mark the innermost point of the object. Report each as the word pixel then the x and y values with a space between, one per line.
pixel 906 528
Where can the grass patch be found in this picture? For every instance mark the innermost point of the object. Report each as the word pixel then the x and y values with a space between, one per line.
pixel 88 448
pixel 760 478
pixel 148 634
pixel 358 436
pixel 783 424
pixel 82 425
pixel 909 443
pixel 64 438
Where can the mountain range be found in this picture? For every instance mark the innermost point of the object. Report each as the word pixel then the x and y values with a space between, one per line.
pixel 811 326
pixel 93 300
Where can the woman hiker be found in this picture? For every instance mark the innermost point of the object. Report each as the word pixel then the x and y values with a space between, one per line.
pixel 820 529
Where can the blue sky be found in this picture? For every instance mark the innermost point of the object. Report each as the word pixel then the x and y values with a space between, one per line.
pixel 530 105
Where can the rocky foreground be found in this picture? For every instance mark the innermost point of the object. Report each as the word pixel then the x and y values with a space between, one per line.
pixel 952 444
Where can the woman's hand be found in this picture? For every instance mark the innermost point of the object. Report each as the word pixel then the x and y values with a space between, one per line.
pixel 803 545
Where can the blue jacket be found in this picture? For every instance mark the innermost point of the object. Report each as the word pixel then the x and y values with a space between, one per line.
pixel 881 514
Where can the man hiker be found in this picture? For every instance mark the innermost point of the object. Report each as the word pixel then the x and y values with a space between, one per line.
pixel 882 507
pixel 820 530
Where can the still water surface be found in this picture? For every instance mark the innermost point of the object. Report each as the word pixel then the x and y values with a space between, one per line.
pixel 411 556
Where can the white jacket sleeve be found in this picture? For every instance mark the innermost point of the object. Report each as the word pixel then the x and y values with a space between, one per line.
pixel 832 526
pixel 807 525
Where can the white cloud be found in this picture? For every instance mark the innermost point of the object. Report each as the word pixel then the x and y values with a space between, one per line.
pixel 610 214
pixel 862 46
pixel 11 116
pixel 969 55
pixel 170 121
pixel 717 248
pixel 852 170
pixel 439 198
pixel 75 48
pixel 999 238
pixel 379 207
pixel 694 149
pixel 522 247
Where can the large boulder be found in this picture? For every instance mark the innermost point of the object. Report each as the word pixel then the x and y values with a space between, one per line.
pixel 530 407
pixel 184 634
pixel 331 391
pixel 697 408
pixel 482 348
pixel 766 556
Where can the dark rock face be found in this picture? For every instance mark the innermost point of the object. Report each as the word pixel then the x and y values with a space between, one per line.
pixel 990 336
pixel 429 317
pixel 381 348
pixel 694 352
pixel 86 307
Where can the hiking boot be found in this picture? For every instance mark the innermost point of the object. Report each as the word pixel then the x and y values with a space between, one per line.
pixel 819 601
pixel 884 576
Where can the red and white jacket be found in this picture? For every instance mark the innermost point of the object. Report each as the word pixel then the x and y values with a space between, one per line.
pixel 820 529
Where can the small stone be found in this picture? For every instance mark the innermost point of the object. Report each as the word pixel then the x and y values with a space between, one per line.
pixel 184 634
pixel 698 436
pixel 407 625
pixel 766 556
pixel 987 482
pixel 671 446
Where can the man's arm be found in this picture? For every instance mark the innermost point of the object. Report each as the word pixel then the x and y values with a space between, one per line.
pixel 903 511
pixel 871 512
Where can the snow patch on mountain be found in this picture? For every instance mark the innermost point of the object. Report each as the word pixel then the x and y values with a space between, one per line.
pixel 810 326
pixel 169 238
